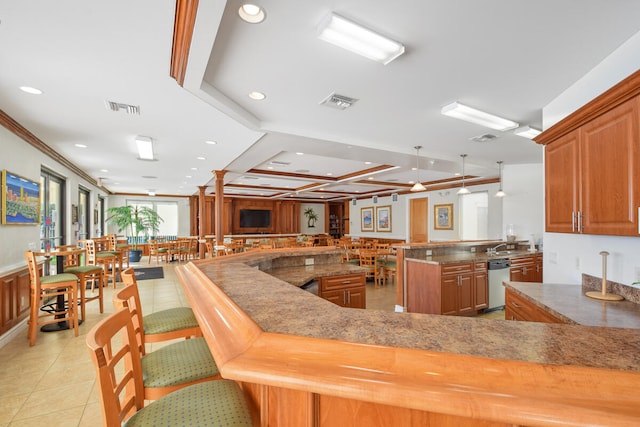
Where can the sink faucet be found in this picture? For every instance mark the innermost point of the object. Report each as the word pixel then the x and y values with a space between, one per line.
pixel 492 251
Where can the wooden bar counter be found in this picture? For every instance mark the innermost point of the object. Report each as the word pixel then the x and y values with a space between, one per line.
pixel 303 361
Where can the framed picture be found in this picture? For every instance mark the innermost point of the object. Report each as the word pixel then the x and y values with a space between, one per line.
pixel 443 217
pixel 20 199
pixel 366 218
pixel 95 216
pixel 74 214
pixel 383 218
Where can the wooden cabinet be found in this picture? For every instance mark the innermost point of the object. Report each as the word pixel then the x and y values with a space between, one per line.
pixel 346 290
pixel 526 269
pixel 451 289
pixel 14 298
pixel 592 173
pixel 519 308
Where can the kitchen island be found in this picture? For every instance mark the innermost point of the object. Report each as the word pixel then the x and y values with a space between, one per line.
pixel 305 361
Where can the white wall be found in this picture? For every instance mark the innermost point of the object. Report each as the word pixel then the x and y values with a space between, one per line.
pixel 523 206
pixel 23 159
pixel 569 255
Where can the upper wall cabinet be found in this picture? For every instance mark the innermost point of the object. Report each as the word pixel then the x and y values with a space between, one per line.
pixel 592 166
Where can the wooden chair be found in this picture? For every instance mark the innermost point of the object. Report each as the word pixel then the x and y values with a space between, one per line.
pixel 106 259
pixel 63 285
pixel 172 366
pixel 210 252
pixel 162 325
pixel 71 260
pixel 187 249
pixel 155 249
pixel 369 260
pixel 89 273
pixel 116 356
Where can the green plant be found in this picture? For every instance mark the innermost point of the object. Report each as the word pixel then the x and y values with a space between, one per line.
pixel 136 220
pixel 312 217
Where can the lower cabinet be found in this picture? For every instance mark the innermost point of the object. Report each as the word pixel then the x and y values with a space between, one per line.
pixel 453 289
pixel 526 269
pixel 14 298
pixel 346 290
pixel 519 308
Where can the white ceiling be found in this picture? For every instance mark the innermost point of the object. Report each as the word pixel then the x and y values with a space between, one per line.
pixel 507 57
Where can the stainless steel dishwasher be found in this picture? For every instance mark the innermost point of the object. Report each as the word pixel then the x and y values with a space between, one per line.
pixel 498 272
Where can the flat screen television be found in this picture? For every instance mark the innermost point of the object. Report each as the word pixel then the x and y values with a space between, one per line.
pixel 255 218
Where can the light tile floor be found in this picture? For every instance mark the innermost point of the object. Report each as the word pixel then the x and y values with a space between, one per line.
pixel 53 383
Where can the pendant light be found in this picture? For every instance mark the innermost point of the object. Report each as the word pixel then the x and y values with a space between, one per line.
pixel 418 185
pixel 463 190
pixel 500 193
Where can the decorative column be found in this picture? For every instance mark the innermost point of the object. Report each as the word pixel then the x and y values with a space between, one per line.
pixel 201 213
pixel 219 207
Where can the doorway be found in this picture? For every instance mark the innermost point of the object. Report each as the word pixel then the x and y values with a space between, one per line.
pixel 419 220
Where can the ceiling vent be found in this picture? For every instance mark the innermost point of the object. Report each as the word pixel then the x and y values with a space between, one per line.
pixel 487 137
pixel 340 102
pixel 249 177
pixel 279 163
pixel 117 106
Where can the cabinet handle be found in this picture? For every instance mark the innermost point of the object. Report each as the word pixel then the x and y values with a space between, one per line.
pixel 524 271
pixel 459 280
pixel 349 295
pixel 579 222
pixel 344 297
pixel 515 304
pixel 573 222
pixel 346 282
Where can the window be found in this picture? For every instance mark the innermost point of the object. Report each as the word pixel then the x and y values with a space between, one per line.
pixel 84 219
pixel 474 221
pixel 168 211
pixel 52 231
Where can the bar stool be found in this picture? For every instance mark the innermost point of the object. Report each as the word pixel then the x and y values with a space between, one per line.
pixel 118 364
pixel 53 286
pixel 105 258
pixel 90 272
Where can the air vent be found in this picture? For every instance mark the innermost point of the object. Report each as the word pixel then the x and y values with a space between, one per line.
pixel 487 137
pixel 117 106
pixel 340 102
pixel 249 177
pixel 279 163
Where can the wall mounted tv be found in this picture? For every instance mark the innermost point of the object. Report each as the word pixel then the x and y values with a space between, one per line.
pixel 255 218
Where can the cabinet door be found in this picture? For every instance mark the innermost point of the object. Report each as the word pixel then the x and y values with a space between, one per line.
pixel 356 297
pixel 465 294
pixel 610 172
pixel 481 290
pixel 562 172
pixel 515 274
pixel 338 297
pixel 449 300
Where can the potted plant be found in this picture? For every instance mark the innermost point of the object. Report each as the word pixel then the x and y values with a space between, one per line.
pixel 136 220
pixel 312 217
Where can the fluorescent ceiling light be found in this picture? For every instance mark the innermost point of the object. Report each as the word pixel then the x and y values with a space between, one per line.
pixel 348 35
pixel 145 147
pixel 527 132
pixel 31 90
pixel 462 112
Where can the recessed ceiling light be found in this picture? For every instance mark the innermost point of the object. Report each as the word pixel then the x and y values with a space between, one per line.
pixel 414 168
pixel 251 13
pixel 367 163
pixel 210 142
pixel 370 178
pixel 104 170
pixel 187 176
pixel 329 174
pixel 31 90
pixel 258 96
pixel 270 167
pixel 194 169
pixel 299 153
pixel 80 145
pixel 411 182
pixel 200 158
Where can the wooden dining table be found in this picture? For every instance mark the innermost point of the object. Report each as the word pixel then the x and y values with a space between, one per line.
pixel 60 254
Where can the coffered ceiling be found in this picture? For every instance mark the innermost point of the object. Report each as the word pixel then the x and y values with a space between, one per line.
pixel 507 57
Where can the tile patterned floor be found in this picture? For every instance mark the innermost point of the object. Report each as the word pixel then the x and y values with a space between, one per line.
pixel 53 383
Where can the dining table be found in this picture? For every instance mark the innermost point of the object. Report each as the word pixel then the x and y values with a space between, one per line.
pixel 60 255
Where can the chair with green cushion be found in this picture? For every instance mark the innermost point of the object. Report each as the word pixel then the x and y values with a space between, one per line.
pixel 173 366
pixel 162 325
pixel 155 249
pixel 63 285
pixel 114 351
pixel 89 273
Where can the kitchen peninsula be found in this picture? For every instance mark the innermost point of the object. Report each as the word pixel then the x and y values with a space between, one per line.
pixel 305 361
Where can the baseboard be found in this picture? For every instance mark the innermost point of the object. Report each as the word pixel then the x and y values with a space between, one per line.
pixel 20 328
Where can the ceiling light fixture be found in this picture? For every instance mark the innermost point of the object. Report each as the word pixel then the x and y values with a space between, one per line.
pixel 463 190
pixel 348 35
pixel 418 185
pixel 31 90
pixel 500 193
pixel 462 112
pixel 257 96
pixel 145 147
pixel 251 13
pixel 527 132
pixel 210 142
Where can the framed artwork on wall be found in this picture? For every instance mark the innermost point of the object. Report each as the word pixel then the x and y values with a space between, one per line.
pixel 20 199
pixel 74 214
pixel 366 219
pixel 443 217
pixel 383 218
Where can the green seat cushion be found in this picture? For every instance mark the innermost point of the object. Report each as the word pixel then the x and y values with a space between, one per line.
pixel 83 269
pixel 390 264
pixel 105 254
pixel 178 363
pixel 162 250
pixel 171 319
pixel 212 403
pixel 58 278
pixel 354 261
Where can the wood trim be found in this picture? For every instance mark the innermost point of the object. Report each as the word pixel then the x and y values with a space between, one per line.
pixel 182 33
pixel 21 132
pixel 618 94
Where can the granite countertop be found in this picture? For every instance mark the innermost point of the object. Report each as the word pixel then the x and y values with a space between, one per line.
pixel 278 307
pixel 568 303
pixel 298 276
pixel 458 257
